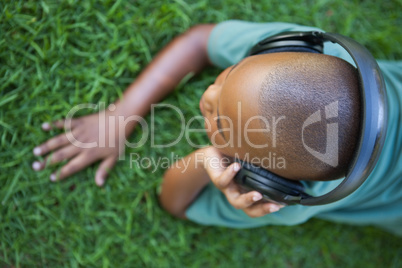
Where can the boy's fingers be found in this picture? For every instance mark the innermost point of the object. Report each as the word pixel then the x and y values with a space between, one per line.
pixel 60 124
pixel 214 170
pixel 223 179
pixel 51 145
pixel 249 202
pixel 103 170
pixel 63 154
pixel 40 165
pixel 56 124
pixel 58 156
pixel 261 209
pixel 243 201
pixel 76 164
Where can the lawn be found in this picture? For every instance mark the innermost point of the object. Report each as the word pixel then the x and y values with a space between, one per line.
pixel 57 54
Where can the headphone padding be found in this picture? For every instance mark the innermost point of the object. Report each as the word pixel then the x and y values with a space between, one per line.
pixel 293 185
pixel 288 49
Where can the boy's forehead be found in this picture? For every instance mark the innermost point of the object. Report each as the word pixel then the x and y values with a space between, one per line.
pixel 245 79
pixel 240 94
pixel 239 100
pixel 242 83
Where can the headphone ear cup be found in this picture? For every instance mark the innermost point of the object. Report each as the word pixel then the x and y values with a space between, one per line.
pixel 289 42
pixel 294 186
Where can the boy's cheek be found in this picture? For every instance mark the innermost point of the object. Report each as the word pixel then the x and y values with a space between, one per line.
pixel 208 127
pixel 201 107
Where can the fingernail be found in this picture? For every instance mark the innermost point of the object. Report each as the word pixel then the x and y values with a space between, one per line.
pixel 36 165
pixel 53 177
pixel 46 125
pixel 273 209
pixel 236 167
pixel 99 181
pixel 256 197
pixel 37 151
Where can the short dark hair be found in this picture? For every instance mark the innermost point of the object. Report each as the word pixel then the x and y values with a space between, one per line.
pixel 296 88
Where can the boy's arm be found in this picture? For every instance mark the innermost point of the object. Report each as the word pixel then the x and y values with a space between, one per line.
pixel 186 54
pixel 185 179
pixel 182 182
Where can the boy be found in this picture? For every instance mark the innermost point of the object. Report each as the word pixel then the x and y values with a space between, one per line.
pixel 279 91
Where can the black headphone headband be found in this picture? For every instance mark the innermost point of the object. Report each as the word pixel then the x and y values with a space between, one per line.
pixel 373 103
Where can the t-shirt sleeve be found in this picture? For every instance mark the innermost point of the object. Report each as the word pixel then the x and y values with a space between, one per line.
pixel 231 41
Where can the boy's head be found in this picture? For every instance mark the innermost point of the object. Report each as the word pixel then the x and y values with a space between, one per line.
pixel 297 111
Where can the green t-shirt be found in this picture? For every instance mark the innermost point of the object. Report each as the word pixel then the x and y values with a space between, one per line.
pixel 377 202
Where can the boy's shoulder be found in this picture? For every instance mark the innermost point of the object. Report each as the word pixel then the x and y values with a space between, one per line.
pixel 230 41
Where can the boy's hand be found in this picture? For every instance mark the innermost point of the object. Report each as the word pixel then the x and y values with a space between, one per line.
pixel 87 129
pixel 251 203
pixel 189 54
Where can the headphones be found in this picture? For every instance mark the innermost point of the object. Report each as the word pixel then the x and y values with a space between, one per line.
pixel 373 122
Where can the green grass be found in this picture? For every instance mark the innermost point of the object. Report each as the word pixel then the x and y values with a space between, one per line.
pixel 57 54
